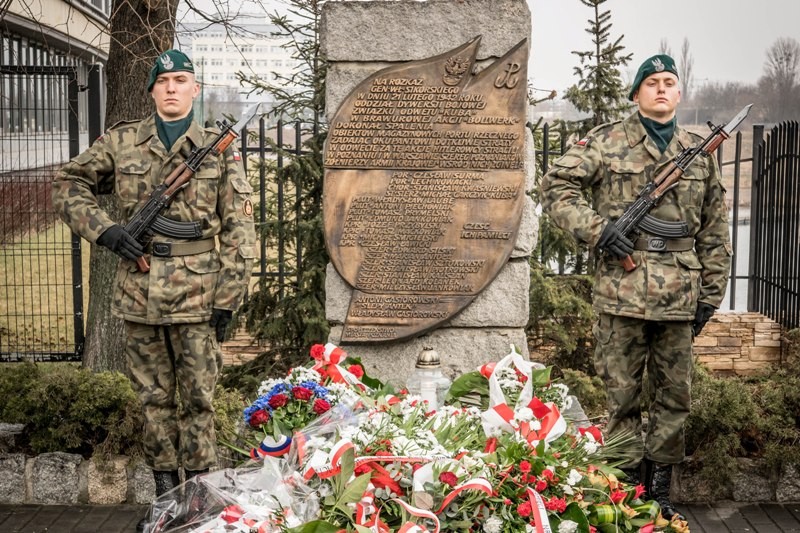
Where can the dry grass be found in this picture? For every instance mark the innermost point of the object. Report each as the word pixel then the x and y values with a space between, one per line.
pixel 36 296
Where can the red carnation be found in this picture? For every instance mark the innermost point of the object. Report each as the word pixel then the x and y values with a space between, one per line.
pixel 279 400
pixel 540 485
pixel 524 509
pixel 491 445
pixel 525 467
pixel 556 504
pixel 302 393
pixel 356 370
pixel 317 351
pixel 258 418
pixel 617 496
pixel 547 474
pixel 321 406
pixel 448 478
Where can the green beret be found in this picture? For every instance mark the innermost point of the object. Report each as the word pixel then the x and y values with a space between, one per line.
pixel 652 65
pixel 169 61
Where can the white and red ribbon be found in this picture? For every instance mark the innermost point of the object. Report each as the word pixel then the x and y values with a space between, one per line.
pixel 539 511
pixel 328 365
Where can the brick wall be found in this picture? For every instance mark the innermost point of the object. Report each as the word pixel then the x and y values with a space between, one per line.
pixel 739 343
pixel 731 343
pixel 240 348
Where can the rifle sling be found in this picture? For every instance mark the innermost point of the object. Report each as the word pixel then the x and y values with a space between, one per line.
pixel 178 249
pixel 659 244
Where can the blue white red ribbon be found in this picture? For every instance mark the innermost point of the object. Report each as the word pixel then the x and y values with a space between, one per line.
pixel 272 448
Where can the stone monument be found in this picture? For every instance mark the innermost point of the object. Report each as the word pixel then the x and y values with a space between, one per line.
pixel 428 162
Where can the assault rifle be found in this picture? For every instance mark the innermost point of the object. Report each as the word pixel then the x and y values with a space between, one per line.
pixel 148 217
pixel 628 224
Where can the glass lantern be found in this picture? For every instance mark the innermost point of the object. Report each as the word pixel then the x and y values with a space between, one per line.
pixel 428 381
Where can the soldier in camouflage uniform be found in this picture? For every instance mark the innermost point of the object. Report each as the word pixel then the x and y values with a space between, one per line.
pixel 648 316
pixel 175 314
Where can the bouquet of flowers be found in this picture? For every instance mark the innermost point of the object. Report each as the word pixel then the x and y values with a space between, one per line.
pixel 385 462
pixel 291 403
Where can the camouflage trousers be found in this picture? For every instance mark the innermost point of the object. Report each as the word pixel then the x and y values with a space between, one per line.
pixel 624 346
pixel 174 372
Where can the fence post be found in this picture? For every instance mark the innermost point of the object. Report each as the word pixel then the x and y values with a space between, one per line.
pixel 753 289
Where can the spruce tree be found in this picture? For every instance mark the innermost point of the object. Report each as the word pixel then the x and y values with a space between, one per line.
pixel 600 89
pixel 287 318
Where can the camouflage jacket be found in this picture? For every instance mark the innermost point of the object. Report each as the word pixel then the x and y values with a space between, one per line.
pixel 130 160
pixel 613 163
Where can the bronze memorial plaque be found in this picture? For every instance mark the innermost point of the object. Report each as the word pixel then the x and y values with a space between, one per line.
pixel 424 188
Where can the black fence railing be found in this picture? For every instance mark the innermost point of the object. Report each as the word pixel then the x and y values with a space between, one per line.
pixel 277 197
pixel 41 298
pixel 775 227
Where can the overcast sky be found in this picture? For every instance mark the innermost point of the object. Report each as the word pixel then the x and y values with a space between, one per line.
pixel 728 39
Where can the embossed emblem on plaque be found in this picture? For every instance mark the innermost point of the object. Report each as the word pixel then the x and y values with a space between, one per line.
pixel 424 188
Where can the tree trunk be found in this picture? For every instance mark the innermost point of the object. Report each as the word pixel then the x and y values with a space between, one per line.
pixel 140 31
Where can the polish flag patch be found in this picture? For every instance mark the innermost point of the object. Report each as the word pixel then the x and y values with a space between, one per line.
pixel 237 156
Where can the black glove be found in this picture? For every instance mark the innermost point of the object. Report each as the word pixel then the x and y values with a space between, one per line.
pixel 614 243
pixel 121 243
pixel 220 318
pixel 701 316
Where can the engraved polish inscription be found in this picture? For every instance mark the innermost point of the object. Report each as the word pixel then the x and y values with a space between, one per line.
pixel 424 189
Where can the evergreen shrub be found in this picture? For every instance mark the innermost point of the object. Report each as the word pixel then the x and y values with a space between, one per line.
pixel 71 409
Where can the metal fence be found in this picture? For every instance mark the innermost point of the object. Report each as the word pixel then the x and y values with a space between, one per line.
pixel 41 301
pixel 775 229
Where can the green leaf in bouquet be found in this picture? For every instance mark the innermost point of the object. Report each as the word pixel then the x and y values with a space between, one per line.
pixel 317 526
pixel 366 379
pixel 471 383
pixel 352 492
pixel 575 513
pixel 540 377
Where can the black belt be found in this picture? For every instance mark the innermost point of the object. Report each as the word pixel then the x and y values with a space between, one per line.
pixel 177 249
pixel 660 244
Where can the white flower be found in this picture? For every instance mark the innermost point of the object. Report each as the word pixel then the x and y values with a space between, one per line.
pixel 567 526
pixel 590 447
pixel 573 477
pixel 524 415
pixel 567 490
pixel 493 524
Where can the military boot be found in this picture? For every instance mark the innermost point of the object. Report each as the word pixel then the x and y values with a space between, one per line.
pixel 165 482
pixel 659 480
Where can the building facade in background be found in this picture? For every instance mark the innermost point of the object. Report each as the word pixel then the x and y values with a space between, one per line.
pixel 223 55
pixel 38 39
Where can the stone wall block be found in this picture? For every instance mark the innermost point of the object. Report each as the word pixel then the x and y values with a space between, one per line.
pixel 504 303
pixel 528 231
pixel 788 489
pixel 54 478
pixel 751 482
pixel 460 350
pixel 688 486
pixel 12 478
pixel 410 30
pixel 107 480
pixel 141 485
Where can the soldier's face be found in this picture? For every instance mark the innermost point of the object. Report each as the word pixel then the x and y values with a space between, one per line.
pixel 658 96
pixel 173 93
